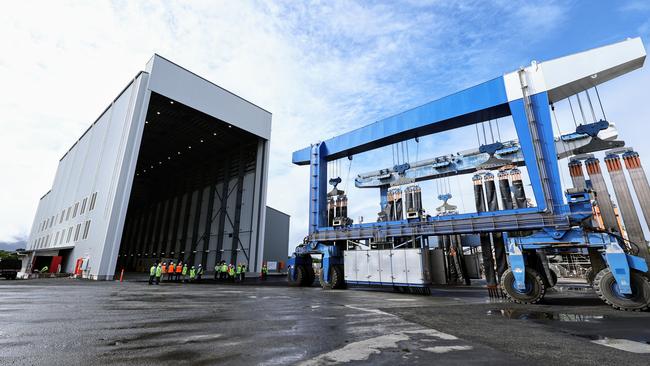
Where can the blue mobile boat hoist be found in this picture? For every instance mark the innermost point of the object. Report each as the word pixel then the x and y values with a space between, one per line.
pixel 619 266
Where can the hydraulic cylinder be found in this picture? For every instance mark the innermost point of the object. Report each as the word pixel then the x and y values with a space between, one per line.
pixel 602 195
pixel 577 175
pixel 625 203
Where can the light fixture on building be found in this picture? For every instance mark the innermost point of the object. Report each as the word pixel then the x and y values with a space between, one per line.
pixel 158 113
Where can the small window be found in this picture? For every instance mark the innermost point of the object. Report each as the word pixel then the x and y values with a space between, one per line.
pixel 76 207
pixel 69 234
pixel 76 232
pixel 86 228
pixel 52 221
pixel 83 205
pixel 67 216
pixel 93 199
pixel 62 215
pixel 56 238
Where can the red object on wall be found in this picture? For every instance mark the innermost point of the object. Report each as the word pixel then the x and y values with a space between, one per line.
pixel 54 265
pixel 77 267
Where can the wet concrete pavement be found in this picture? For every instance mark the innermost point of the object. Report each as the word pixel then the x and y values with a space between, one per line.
pixel 65 321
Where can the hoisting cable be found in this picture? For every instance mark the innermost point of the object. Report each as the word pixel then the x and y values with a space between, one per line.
pixel 403 155
pixel 408 158
pixel 498 130
pixel 599 102
pixel 417 149
pixel 462 201
pixel 593 114
pixel 582 112
pixel 347 178
pixel 491 133
pixel 575 123
pixel 478 137
pixel 484 135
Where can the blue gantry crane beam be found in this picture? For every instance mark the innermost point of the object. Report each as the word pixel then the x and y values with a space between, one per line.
pixel 528 232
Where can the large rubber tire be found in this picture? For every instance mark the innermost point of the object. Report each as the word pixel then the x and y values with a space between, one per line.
pixel 337 278
pixel 310 276
pixel 553 280
pixel 534 292
pixel 607 290
pixel 300 273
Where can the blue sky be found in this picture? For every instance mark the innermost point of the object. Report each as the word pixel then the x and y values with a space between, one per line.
pixel 321 67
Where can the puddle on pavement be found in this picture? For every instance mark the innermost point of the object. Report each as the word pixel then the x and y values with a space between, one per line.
pixel 544 315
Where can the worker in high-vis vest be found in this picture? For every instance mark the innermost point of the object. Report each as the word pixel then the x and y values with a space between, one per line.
pixel 158 273
pixel 184 273
pixel 152 273
pixel 192 274
pixel 164 270
pixel 217 271
pixel 238 273
pixel 242 275
pixel 231 272
pixel 224 270
pixel 264 272
pixel 179 270
pixel 170 271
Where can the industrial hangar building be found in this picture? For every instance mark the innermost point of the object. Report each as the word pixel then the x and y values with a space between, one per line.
pixel 174 168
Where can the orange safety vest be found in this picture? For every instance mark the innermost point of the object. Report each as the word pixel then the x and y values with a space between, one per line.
pixel 179 268
pixel 164 268
pixel 170 269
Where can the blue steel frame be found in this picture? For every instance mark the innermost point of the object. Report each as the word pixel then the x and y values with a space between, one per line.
pixel 470 106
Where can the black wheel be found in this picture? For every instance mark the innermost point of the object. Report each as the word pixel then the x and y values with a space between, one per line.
pixel 532 294
pixel 296 276
pixel 310 276
pixel 337 279
pixel 590 275
pixel 553 280
pixel 607 289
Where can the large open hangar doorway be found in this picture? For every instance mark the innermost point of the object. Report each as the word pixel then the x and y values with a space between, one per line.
pixel 194 191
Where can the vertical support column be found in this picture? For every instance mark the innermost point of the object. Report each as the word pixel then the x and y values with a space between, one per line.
pixel 160 228
pixel 175 243
pixel 208 225
pixel 238 203
pixel 186 224
pixel 639 182
pixel 224 206
pixel 535 132
pixel 577 175
pixel 602 194
pixel 173 224
pixel 486 245
pixel 317 187
pixel 626 205
pixel 195 229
